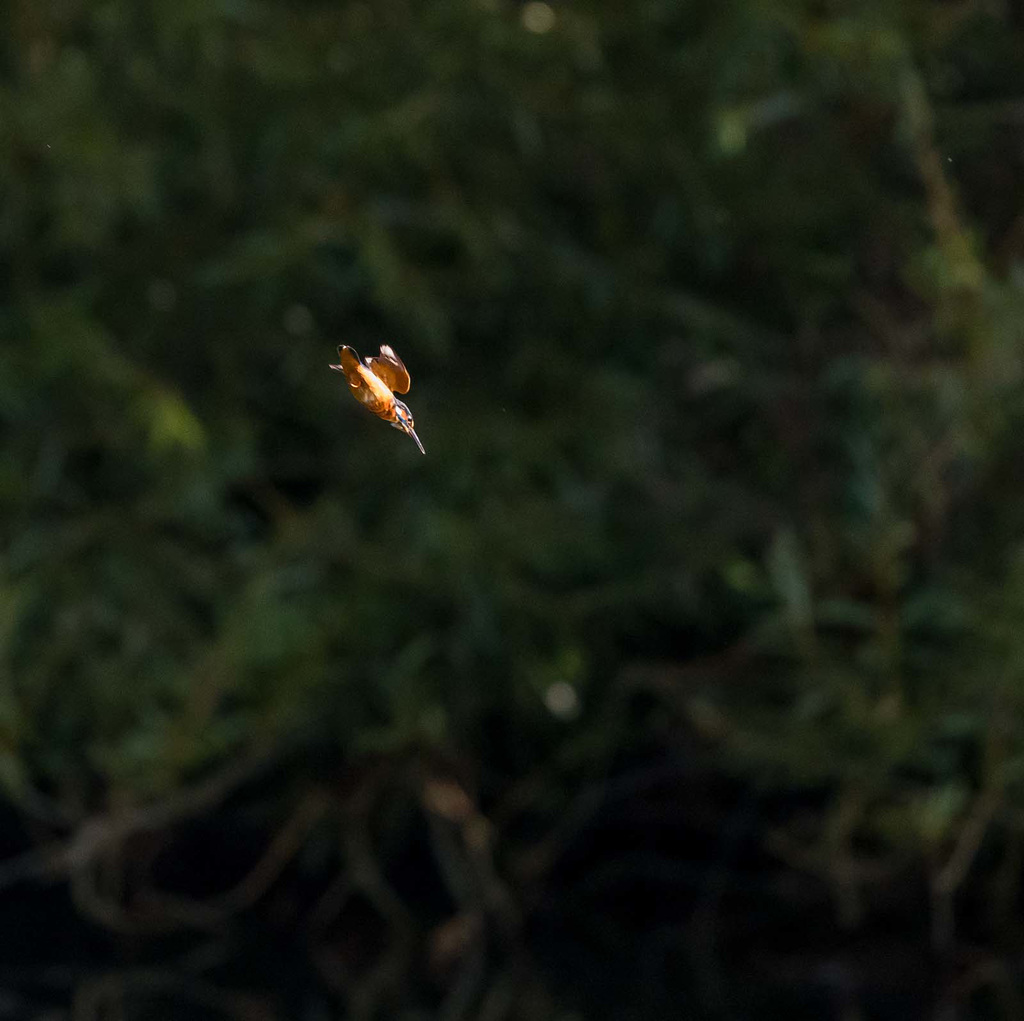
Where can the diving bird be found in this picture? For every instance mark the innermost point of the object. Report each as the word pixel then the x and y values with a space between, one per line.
pixel 371 382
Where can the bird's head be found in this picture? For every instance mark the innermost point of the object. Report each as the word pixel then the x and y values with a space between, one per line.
pixel 403 420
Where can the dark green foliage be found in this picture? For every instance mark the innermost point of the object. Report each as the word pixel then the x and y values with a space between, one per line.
pixel 680 678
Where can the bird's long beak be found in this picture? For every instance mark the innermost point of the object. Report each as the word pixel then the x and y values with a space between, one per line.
pixel 337 368
pixel 415 438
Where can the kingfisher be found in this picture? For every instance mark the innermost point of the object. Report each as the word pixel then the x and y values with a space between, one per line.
pixel 372 381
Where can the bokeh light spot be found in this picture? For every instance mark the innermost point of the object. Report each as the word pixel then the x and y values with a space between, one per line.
pixel 538 17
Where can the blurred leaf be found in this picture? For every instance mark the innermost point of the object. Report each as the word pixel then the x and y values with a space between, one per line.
pixel 788 570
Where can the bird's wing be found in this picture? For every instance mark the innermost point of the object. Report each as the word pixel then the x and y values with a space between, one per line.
pixel 364 385
pixel 390 368
pixel 350 365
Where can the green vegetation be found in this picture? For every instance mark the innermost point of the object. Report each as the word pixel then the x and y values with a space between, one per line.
pixel 683 677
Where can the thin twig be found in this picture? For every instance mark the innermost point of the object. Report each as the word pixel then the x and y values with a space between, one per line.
pixel 96 835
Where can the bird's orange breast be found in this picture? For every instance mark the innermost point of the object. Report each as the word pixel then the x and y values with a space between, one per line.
pixel 370 390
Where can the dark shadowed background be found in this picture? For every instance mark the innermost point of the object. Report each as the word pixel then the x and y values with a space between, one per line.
pixel 682 678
